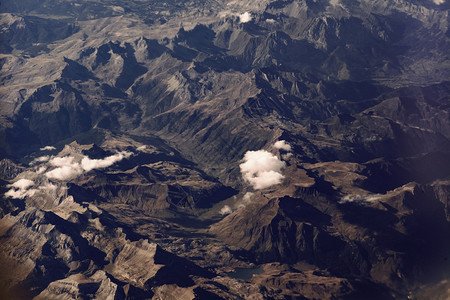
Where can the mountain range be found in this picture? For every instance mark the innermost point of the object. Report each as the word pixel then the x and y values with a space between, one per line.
pixel 205 149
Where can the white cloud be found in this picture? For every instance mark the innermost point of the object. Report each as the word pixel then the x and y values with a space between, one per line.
pixel 141 148
pixel 262 169
pixel 48 187
pixel 20 189
pixel 90 164
pixel 270 21
pixel 22 184
pixel 41 159
pixel 65 172
pixel 41 170
pixel 47 148
pixel 226 210
pixel 335 2
pixel 247 197
pixel 62 161
pixel 265 179
pixel 20 194
pixel 282 145
pixel 245 17
pixel 360 198
pixel 438 2
pixel 67 168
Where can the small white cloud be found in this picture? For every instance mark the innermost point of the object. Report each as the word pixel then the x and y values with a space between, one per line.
pixel 270 21
pixel 20 194
pixel 90 164
pixel 247 197
pixel 141 148
pixel 335 2
pixel 48 187
pixel 14 194
pixel 22 184
pixel 439 2
pixel 358 198
pixel 41 159
pixel 265 179
pixel 41 170
pixel 226 210
pixel 62 161
pixel 48 148
pixel 282 145
pixel 245 17
pixel 65 172
pixel 261 169
pixel 20 189
pixel 68 168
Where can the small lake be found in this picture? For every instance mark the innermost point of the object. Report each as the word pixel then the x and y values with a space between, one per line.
pixel 245 273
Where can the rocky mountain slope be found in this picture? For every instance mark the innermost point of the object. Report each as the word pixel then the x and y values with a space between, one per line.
pixel 173 149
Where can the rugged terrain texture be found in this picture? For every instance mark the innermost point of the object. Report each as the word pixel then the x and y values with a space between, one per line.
pixel 205 149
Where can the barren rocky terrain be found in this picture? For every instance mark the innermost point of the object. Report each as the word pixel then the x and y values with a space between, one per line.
pixel 206 149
